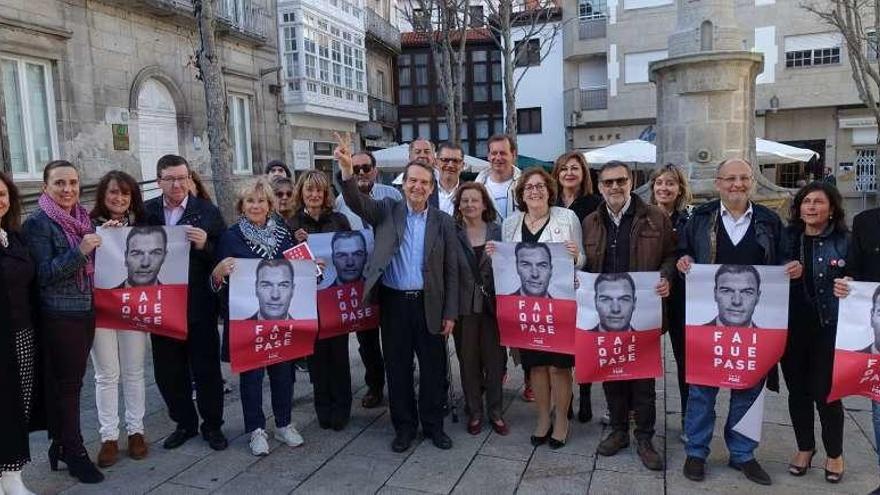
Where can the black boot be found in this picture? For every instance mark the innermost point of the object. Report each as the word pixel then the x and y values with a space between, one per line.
pixel 585 409
pixel 81 467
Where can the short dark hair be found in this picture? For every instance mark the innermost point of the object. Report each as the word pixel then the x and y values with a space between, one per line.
pixel 11 221
pixel 489 214
pixel 520 189
pixel 614 164
pixel 369 154
pixel 835 201
pixel 532 245
pixel 502 137
pixel 421 165
pixel 127 184
pixel 273 263
pixel 614 277
pixel 737 269
pixel 168 161
pixel 419 138
pixel 449 145
pixel 277 163
pixel 347 234
pixel 146 230
pixel 56 164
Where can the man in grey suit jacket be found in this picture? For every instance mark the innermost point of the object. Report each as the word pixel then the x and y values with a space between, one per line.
pixel 414 272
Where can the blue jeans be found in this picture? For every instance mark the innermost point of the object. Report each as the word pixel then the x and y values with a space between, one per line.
pixel 250 384
pixel 699 422
pixel 875 417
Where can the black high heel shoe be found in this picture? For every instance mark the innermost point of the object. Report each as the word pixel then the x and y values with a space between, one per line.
pixel 55 455
pixel 801 470
pixel 831 476
pixel 536 440
pixel 557 444
pixel 81 467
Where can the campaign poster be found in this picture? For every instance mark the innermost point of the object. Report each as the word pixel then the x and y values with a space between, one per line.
pixel 736 323
pixel 272 313
pixel 619 319
pixel 857 348
pixel 141 279
pixel 341 290
pixel 535 299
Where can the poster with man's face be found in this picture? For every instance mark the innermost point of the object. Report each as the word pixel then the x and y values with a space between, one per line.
pixel 341 308
pixel 737 321
pixel 272 312
pixel 619 318
pixel 857 346
pixel 536 308
pixel 141 279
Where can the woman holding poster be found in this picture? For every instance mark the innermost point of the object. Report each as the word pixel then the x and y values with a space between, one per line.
pixel 818 238
pixel 538 221
pixel 117 352
pixel 62 243
pixel 257 235
pixel 329 365
pixel 477 343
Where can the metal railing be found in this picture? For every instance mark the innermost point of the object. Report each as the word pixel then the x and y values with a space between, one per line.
pixel 578 99
pixel 245 18
pixel 382 111
pixel 382 30
pixel 593 28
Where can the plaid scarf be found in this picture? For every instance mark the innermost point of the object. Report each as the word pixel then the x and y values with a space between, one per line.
pixel 75 227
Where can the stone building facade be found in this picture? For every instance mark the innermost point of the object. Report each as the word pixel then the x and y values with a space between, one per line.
pixel 111 84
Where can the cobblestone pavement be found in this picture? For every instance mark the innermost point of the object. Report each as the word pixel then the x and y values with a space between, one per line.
pixel 359 460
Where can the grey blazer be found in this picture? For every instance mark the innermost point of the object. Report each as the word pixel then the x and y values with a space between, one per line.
pixel 440 264
pixel 470 299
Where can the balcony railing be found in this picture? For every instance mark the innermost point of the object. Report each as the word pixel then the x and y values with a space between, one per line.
pixel 591 28
pixel 243 18
pixel 595 98
pixel 383 112
pixel 381 30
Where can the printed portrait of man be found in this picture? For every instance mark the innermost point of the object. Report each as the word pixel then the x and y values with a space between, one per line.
pixel 534 267
pixel 145 250
pixel 274 290
pixel 615 297
pixel 349 254
pixel 737 293
pixel 874 348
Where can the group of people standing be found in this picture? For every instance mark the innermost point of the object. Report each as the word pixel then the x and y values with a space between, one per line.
pixel 431 273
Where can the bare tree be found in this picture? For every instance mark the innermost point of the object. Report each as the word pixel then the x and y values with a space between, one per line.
pixel 538 20
pixel 211 75
pixel 444 25
pixel 858 22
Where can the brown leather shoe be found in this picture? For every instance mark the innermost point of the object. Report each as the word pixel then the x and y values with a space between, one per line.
pixel 108 454
pixel 137 446
pixel 613 443
pixel 650 458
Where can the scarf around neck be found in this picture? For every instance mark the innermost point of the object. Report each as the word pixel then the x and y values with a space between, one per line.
pixel 75 226
pixel 263 241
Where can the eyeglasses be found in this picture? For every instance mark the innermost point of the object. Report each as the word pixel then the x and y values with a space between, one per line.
pixel 619 182
pixel 358 169
pixel 450 160
pixel 172 180
pixel 536 187
pixel 733 179
pixel 284 194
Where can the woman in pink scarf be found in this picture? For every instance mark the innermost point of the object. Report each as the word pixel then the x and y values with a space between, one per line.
pixel 62 243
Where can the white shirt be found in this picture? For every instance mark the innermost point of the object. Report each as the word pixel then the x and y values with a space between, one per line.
pixel 498 193
pixel 617 217
pixel 736 228
pixel 445 198
pixel 173 214
pixel 378 192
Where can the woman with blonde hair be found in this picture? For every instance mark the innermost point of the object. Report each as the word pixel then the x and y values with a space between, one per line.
pixel 257 234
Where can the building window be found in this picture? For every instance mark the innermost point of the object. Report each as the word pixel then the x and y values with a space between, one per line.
pixel 421 20
pixel 866 171
pixel 810 50
pixel 239 128
pixel 476 16
pixel 30 114
pixel 592 9
pixel 528 120
pixel 528 52
pixel 635 65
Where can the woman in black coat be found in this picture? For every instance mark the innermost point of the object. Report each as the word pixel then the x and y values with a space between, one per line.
pixel 19 411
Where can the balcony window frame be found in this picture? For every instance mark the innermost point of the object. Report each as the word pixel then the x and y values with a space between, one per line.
pixel 531 56
pixel 238 121
pixel 528 120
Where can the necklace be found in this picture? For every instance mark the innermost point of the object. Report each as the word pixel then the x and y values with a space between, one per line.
pixel 532 222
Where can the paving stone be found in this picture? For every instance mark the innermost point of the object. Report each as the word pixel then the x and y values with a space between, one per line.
pixel 433 470
pixel 557 473
pixel 349 474
pixel 262 484
pixel 490 475
pixel 612 483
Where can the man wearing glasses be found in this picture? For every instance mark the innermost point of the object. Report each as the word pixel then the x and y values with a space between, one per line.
pixel 450 159
pixel 178 364
pixel 365 171
pixel 627 235
pixel 730 230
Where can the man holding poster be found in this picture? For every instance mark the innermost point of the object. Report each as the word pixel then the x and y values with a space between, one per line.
pixel 624 234
pixel 415 265
pixel 735 231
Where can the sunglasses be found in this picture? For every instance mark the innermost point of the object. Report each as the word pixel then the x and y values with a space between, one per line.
pixel 358 169
pixel 620 182
pixel 284 194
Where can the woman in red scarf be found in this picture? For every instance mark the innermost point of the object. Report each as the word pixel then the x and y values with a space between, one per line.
pixel 62 243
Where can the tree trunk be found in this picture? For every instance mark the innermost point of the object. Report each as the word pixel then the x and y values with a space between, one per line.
pixel 508 54
pixel 215 105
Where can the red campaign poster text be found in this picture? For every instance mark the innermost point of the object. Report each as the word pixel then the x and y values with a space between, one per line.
pixel 612 356
pixel 855 373
pixel 158 309
pixel 341 310
pixel 259 343
pixel 537 323
pixel 728 357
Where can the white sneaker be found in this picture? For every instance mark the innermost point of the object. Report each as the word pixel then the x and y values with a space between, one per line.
pixel 12 484
pixel 288 435
pixel 259 442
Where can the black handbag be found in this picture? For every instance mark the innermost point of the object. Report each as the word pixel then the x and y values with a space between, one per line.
pixel 488 296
